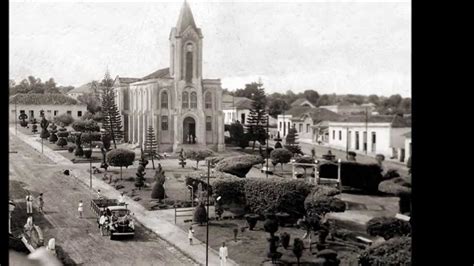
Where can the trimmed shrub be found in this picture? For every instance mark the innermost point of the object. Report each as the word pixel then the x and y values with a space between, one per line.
pixel 87 138
pixel 329 256
pixel 70 149
pixel 88 154
pixel 243 141
pixel 298 247
pixel 285 240
pixel 396 186
pixel 53 137
pixel 61 142
pixel 271 225
pixel 388 227
pixel 120 158
pixel 322 205
pixel 238 165
pixel 252 220
pixel 396 251
pixel 278 145
pixel 198 155
pixel 231 190
pixel 85 125
pixel 63 120
pixel 276 195
pixel 200 214
pixel 158 192
pixel 79 151
pixel 280 156
pixel 365 177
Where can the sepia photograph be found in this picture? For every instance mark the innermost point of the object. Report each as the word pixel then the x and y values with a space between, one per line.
pixel 210 133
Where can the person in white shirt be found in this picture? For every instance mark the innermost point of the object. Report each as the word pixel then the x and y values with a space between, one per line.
pixel 29 204
pixel 99 196
pixel 80 208
pixel 223 254
pixel 102 223
pixel 121 199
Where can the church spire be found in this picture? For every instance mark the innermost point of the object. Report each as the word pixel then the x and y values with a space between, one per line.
pixel 185 19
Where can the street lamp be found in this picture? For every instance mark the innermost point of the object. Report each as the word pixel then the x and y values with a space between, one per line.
pixel 90 159
pixel 207 220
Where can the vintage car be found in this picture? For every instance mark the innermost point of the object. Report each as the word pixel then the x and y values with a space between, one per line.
pixel 121 222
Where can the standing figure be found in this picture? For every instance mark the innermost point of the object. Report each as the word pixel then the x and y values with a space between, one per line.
pixel 80 209
pixel 51 246
pixel 121 200
pixel 29 204
pixel 99 196
pixel 190 235
pixel 40 202
pixel 223 253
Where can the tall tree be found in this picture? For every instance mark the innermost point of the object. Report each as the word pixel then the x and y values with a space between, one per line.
pixel 277 107
pixel 258 117
pixel 151 145
pixel 112 118
pixel 312 96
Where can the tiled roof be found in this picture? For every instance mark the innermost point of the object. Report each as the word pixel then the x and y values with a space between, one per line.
pixel 42 99
pixel 229 102
pixel 128 80
pixel 86 88
pixel 321 114
pixel 396 121
pixel 298 111
pixel 159 74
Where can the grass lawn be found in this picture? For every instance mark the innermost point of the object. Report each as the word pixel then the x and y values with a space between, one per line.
pixel 251 246
pixel 175 187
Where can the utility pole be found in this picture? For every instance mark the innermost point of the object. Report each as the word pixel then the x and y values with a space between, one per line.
pixel 207 223
pixel 90 159
pixel 268 139
pixel 347 143
pixel 366 130
pixel 16 122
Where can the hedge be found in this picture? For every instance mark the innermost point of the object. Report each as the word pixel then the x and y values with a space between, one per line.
pixel 396 251
pixel 86 138
pixel 323 204
pixel 120 157
pixel 238 165
pixel 276 195
pixel 365 177
pixel 388 227
pixel 85 126
pixel 231 191
pixel 396 186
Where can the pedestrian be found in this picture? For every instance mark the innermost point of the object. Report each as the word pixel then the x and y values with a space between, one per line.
pixel 190 235
pixel 351 156
pixel 223 254
pixel 108 213
pixel 40 202
pixel 80 209
pixel 102 223
pixel 28 227
pixel 99 196
pixel 121 200
pixel 51 247
pixel 29 204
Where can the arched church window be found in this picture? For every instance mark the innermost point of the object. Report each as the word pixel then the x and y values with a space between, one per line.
pixel 185 100
pixel 208 100
pixel 189 63
pixel 208 123
pixel 193 100
pixel 164 123
pixel 164 100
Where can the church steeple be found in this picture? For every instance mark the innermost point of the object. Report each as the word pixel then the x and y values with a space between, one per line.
pixel 185 19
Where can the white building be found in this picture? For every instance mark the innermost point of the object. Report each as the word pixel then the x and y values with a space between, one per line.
pixel 235 108
pixel 374 135
pixel 51 105
pixel 84 89
pixel 351 109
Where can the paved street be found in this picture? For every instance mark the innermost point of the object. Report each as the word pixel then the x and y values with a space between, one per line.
pixel 80 238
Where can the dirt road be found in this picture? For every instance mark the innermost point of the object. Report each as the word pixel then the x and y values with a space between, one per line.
pixel 80 238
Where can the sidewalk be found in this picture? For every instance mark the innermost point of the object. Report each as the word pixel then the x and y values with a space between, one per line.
pixel 151 220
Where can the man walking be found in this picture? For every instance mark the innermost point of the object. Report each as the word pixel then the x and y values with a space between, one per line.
pixel 190 235
pixel 40 202
pixel 29 204
pixel 223 254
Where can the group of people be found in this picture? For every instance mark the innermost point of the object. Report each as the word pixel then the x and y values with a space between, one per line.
pixel 106 218
pixel 29 203
pixel 223 252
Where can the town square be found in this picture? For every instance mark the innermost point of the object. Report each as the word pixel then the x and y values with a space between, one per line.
pixel 166 163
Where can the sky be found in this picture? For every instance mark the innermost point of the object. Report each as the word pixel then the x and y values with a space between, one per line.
pixel 333 47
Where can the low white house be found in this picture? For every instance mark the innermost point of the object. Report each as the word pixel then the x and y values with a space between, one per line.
pixel 345 109
pixel 51 105
pixel 235 108
pixel 371 135
pixel 407 145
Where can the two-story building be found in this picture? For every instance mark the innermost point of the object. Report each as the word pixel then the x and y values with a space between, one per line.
pixel 235 108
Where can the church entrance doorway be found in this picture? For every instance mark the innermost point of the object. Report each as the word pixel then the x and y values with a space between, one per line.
pixel 189 130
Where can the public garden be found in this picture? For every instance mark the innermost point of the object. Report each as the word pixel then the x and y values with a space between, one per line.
pixel 277 219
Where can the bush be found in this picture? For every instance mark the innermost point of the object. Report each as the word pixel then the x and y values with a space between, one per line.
pixel 252 220
pixel 79 151
pixel 278 145
pixel 200 214
pixel 238 165
pixel 323 205
pixel 285 240
pixel 396 186
pixel 298 247
pixel 280 156
pixel 271 225
pixel 87 138
pixel 365 177
pixel 158 191
pixel 276 195
pixel 53 137
pixel 71 149
pixel 396 251
pixel 120 158
pixel 88 153
pixel 231 190
pixel 61 142
pixel 215 159
pixel 198 155
pixel 243 141
pixel 64 119
pixel 388 227
pixel 85 126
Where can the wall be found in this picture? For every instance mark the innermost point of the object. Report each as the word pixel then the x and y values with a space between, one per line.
pixel 283 129
pixel 49 115
pixel 407 148
pixel 231 115
pixel 305 135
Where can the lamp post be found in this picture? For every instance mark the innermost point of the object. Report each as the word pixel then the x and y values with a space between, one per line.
pixel 207 220
pixel 90 159
pixel 16 122
pixel 268 139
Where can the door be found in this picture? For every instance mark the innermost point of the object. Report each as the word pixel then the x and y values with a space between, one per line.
pixel 189 130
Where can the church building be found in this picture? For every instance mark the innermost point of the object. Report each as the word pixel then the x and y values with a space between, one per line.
pixel 184 109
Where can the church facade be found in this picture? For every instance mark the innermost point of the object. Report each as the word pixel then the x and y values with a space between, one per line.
pixel 184 109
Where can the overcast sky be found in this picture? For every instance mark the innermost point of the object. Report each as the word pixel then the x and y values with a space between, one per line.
pixel 338 47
